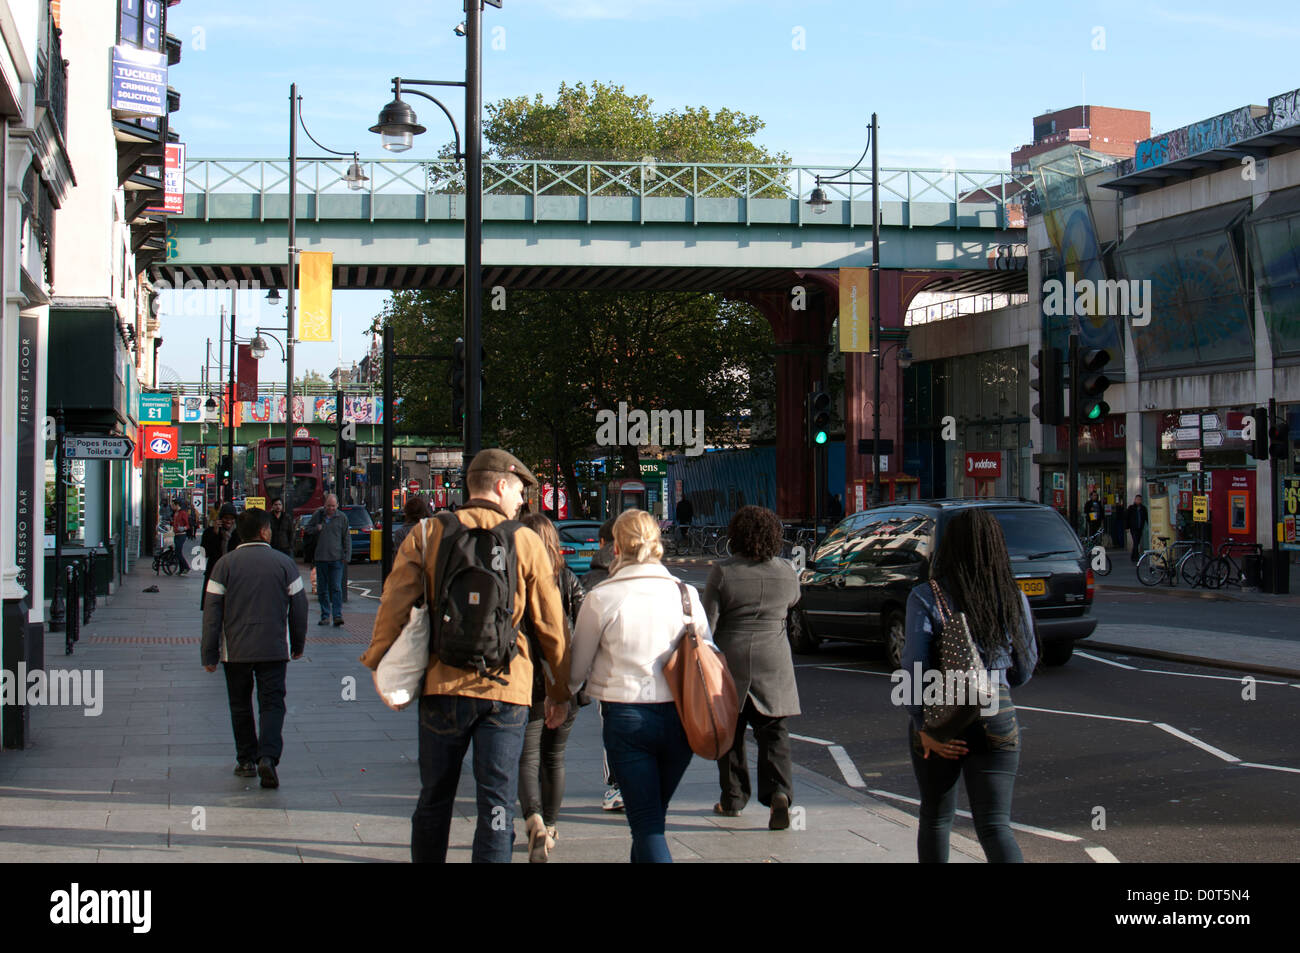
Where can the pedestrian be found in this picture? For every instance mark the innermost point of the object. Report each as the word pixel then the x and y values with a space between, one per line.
pixel 218 539
pixel 256 593
pixel 747 599
pixel 627 628
pixel 598 573
pixel 282 528
pixel 333 547
pixel 1135 518
pixel 460 705
pixel 415 510
pixel 1093 511
pixel 685 513
pixel 541 764
pixel 193 519
pixel 973 571
pixel 181 530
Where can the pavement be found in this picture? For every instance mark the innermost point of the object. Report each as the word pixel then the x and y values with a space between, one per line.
pixel 149 778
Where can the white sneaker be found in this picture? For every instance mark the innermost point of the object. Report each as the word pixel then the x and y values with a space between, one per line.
pixel 613 800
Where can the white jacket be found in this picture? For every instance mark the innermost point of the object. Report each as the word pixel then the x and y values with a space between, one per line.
pixel 627 629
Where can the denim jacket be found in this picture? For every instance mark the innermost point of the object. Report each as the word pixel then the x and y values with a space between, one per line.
pixel 923 621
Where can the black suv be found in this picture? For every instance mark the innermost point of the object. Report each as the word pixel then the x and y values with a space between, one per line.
pixel 856 583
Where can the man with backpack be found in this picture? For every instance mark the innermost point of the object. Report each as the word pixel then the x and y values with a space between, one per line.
pixel 483 572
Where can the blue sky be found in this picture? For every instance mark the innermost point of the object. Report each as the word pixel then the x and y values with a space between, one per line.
pixel 954 83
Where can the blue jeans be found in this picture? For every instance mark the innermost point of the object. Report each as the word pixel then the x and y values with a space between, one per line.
pixel 648 753
pixel 989 769
pixel 329 587
pixel 448 723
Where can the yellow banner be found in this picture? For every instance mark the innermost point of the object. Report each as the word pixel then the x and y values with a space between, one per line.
pixel 315 291
pixel 855 309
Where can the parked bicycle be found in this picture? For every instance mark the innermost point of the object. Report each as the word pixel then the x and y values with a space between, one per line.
pixel 1225 570
pixel 165 555
pixel 1090 543
pixel 1164 564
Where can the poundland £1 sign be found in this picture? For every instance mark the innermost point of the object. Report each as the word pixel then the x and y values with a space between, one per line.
pixel 984 466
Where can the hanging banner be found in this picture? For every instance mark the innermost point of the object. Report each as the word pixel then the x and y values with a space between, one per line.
pixel 173 181
pixel 315 290
pixel 855 309
pixel 245 373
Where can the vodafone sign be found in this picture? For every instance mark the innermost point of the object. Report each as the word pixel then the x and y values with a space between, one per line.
pixel 984 466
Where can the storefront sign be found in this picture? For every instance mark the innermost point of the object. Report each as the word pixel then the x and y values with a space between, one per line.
pixel 173 181
pixel 26 508
pixel 984 465
pixel 161 443
pixel 1290 506
pixel 155 408
pixel 139 83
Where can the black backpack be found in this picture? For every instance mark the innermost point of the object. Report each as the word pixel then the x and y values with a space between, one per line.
pixel 472 616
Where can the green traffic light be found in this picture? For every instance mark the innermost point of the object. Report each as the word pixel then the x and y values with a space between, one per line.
pixel 1094 413
pixel 819 437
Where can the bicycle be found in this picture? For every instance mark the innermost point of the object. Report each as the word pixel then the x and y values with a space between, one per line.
pixel 166 558
pixel 1225 570
pixel 1092 542
pixel 669 538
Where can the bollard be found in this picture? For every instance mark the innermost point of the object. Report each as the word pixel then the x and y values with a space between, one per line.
pixel 91 599
pixel 72 631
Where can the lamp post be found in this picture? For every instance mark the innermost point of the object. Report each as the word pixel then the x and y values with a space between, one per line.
pixel 397 126
pixel 819 203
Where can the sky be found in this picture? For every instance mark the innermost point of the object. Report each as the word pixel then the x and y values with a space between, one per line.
pixel 955 84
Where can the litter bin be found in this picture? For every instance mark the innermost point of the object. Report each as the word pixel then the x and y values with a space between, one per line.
pixel 1266 572
pixel 1252 568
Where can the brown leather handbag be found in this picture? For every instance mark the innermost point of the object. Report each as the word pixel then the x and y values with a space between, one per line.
pixel 703 689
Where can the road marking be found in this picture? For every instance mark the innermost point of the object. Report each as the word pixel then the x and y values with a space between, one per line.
pixel 1269 767
pixel 1084 714
pixel 365 593
pixel 847 767
pixel 1105 661
pixel 1217 752
pixel 814 741
pixel 1098 854
pixel 856 671
pixel 1225 678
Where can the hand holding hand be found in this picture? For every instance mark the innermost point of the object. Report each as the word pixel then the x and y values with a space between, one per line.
pixel 951 750
pixel 556 714
pixel 209 668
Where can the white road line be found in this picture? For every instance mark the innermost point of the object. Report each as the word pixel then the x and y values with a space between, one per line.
pixel 855 671
pixel 847 767
pixel 1224 678
pixel 1269 767
pixel 1105 661
pixel 1217 752
pixel 1101 855
pixel 815 741
pixel 1084 714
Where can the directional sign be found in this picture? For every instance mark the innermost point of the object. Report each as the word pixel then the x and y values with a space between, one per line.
pixel 200 472
pixel 1212 438
pixel 1188 420
pixel 1189 454
pixel 254 502
pixel 1194 466
pixel 1200 509
pixel 1187 433
pixel 1209 421
pixel 92 447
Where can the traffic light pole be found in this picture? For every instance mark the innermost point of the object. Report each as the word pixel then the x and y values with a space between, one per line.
pixel 1073 427
pixel 338 445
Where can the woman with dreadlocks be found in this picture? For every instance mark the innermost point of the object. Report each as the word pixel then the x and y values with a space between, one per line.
pixel 973 574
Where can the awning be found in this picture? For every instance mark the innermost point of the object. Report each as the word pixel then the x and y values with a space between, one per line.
pixel 1206 221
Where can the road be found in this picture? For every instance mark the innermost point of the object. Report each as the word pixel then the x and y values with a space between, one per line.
pixel 1127 758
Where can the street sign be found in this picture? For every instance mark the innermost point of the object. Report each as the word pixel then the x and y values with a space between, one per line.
pixel 92 447
pixel 1200 509
pixel 200 472
pixel 1209 421
pixel 155 408
pixel 1187 433
pixel 1189 454
pixel 1188 420
pixel 413 486
pixel 1194 466
pixel 1212 438
pixel 254 502
pixel 301 432
pixel 172 473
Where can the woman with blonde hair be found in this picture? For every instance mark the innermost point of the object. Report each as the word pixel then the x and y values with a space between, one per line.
pixel 541 763
pixel 628 628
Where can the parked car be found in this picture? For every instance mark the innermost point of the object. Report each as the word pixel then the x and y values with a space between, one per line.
pixel 305 541
pixel 855 585
pixel 359 526
pixel 579 541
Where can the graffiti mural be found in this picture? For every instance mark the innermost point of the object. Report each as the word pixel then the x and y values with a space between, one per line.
pixel 1217 132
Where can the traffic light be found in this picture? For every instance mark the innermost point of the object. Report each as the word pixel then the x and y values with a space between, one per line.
pixel 819 416
pixel 1091 383
pixel 1277 438
pixel 1050 408
pixel 457 380
pixel 224 468
pixel 1259 446
pixel 203 458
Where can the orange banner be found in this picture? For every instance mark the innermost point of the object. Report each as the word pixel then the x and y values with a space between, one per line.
pixel 315 290
pixel 855 309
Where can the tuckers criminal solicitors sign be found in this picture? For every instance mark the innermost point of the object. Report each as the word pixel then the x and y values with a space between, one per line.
pixel 139 83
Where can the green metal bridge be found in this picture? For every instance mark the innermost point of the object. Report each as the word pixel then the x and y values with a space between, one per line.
pixel 591 225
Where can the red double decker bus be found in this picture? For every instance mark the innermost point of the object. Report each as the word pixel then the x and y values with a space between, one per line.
pixel 308 486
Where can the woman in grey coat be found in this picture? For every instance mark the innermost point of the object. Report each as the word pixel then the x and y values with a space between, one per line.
pixel 747 598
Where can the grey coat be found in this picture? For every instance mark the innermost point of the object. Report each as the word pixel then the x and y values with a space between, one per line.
pixel 747 603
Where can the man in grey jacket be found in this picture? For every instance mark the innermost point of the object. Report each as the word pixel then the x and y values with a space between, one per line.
pixel 252 592
pixel 333 549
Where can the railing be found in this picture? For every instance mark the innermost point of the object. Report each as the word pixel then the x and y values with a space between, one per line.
pixel 957 307
pixel 52 77
pixel 646 179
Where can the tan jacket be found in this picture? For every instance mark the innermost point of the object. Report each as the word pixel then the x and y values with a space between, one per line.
pixel 536 593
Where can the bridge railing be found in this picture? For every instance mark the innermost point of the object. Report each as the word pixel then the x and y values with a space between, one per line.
pixel 646 179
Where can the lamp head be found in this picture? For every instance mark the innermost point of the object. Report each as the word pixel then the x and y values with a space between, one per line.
pixel 257 347
pixel 818 201
pixel 354 177
pixel 273 296
pixel 904 357
pixel 397 126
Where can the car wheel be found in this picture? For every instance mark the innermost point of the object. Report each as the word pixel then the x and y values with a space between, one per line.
pixel 802 639
pixel 895 636
pixel 1058 653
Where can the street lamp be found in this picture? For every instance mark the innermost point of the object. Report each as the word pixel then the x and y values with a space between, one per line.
pixel 819 203
pixel 397 127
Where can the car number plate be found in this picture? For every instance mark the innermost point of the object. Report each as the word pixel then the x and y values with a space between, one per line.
pixel 1033 587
